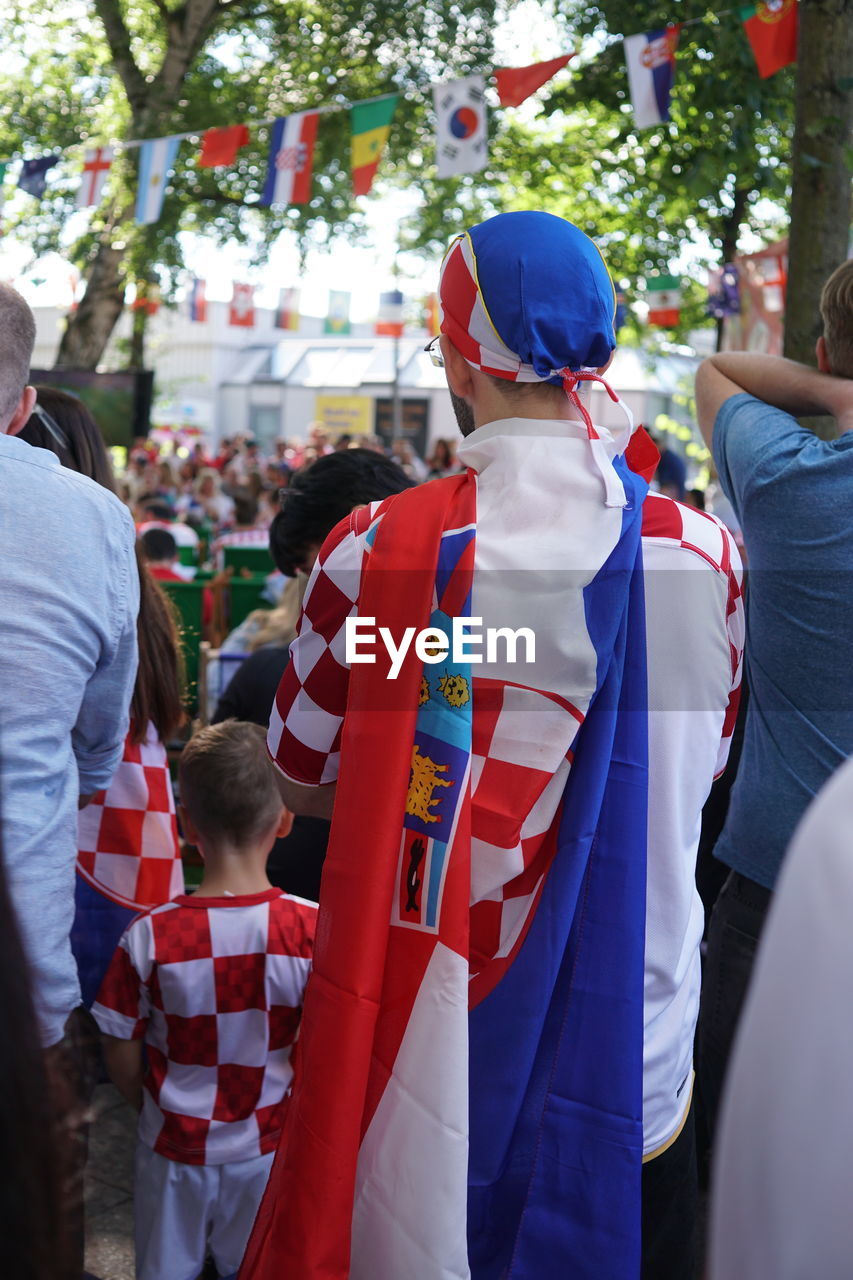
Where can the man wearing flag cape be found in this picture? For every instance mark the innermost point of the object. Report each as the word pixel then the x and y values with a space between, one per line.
pixel 481 1072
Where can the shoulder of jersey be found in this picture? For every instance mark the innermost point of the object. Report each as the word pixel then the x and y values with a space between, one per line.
pixel 694 531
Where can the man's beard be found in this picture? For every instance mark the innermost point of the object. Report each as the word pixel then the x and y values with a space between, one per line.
pixel 464 414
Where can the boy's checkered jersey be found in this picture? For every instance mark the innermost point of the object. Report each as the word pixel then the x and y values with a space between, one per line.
pixel 215 985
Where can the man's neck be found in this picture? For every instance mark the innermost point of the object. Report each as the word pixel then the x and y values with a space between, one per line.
pixel 233 872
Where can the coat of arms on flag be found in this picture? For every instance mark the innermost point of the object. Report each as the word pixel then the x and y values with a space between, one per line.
pixel 291 159
pixel 664 298
pixel 650 59
pixel 241 311
pixel 771 27
pixel 461 135
pixel 96 166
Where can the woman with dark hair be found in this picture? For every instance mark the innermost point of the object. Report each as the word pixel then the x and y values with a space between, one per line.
pixel 129 857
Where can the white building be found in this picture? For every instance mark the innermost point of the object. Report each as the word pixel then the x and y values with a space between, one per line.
pixel 267 383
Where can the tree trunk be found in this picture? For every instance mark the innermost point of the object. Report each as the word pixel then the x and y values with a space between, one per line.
pixel 728 248
pixel 88 330
pixel 820 202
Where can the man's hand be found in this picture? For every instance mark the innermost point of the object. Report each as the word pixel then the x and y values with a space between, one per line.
pixel 309 802
pixel 795 388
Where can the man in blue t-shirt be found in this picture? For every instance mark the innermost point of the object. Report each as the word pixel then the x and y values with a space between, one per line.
pixel 792 494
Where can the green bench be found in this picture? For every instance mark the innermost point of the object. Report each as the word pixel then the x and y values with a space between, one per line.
pixel 255 559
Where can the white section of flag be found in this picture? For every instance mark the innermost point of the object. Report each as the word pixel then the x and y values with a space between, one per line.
pixel 462 140
pixel 155 168
pixel 96 166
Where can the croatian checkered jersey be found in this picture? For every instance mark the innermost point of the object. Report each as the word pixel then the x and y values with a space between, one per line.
pixel 128 836
pixel 523 736
pixel 215 987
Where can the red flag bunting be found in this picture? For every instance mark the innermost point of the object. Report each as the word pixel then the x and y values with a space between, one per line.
pixel 220 146
pixel 514 84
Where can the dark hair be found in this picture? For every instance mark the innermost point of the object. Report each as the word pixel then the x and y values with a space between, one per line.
pixel 157 545
pixel 228 782
pixel 321 495
pixel 157 694
pixel 80 446
pixel 157 509
pixel 30 1192
pixel 245 507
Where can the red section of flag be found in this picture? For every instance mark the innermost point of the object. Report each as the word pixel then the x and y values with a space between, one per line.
pixel 514 84
pixel 241 310
pixel 666 317
pixel 304 168
pixel 389 328
pixel 772 32
pixel 220 146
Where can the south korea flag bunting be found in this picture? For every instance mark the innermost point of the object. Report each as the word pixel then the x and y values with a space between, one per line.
pixel 462 143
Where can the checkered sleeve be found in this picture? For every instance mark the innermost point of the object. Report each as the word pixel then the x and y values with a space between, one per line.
pixel 123 1005
pixel 307 717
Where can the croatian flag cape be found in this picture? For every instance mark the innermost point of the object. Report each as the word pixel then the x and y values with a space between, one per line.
pixel 456 1114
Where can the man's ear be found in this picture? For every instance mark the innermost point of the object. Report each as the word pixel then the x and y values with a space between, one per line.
pixel 822 357
pixel 457 370
pixel 24 411
pixel 285 823
pixel 188 827
pixel 603 369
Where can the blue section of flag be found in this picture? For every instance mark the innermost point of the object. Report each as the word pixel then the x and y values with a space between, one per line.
pixel 556 1140
pixel 276 138
pixel 437 860
pixel 33 175
pixel 662 77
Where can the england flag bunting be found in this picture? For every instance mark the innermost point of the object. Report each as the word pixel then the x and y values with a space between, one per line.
pixel 291 159
pixel 96 166
pixel 461 144
pixel 650 58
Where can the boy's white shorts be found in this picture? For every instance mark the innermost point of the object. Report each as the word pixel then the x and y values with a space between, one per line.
pixel 184 1211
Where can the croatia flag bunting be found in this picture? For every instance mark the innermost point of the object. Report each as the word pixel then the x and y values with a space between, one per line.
pixel 156 161
pixel 389 322
pixel 771 28
pixel 461 131
pixel 220 146
pixel 198 301
pixel 651 69
pixel 241 311
pixel 515 84
pixel 664 299
pixel 291 159
pixel 371 124
pixel 96 166
pixel 287 315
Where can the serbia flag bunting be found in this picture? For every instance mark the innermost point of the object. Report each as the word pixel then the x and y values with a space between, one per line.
pixel 651 70
pixel 291 159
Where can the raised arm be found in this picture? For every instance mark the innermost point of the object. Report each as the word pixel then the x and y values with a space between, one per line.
pixel 795 388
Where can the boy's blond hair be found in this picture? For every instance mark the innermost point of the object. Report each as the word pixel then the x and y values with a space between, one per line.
pixel 836 309
pixel 227 781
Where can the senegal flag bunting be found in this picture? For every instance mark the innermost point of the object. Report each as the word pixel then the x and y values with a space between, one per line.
pixel 371 124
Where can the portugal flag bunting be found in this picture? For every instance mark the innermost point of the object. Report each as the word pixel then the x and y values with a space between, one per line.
pixel 514 84
pixel 371 124
pixel 772 30
pixel 664 299
pixel 220 146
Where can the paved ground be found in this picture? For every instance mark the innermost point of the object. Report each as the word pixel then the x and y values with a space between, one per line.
pixel 109 1187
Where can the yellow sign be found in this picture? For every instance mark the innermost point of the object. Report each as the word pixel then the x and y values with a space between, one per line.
pixel 352 415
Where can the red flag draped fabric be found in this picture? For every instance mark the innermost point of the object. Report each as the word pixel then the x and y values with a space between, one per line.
pixel 514 84
pixel 220 146
pixel 771 26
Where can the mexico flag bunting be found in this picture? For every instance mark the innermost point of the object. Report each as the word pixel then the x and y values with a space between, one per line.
pixel 371 124
pixel 515 84
pixel 291 159
pixel 771 28
pixel 664 299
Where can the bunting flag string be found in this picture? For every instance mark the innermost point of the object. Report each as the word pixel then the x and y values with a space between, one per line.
pixel 460 110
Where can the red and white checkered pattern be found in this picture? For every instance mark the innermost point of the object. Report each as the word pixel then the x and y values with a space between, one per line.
pixel 128 836
pixel 215 985
pixel 238 538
